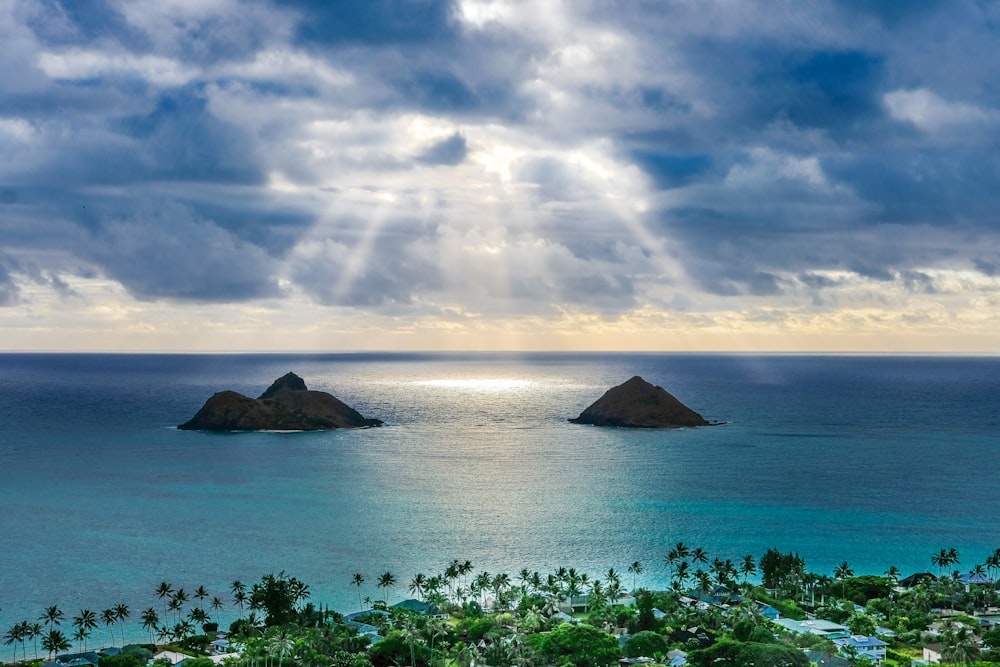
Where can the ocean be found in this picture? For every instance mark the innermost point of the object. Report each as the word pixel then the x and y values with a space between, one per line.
pixel 877 461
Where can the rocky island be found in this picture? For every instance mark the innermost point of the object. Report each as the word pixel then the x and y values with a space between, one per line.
pixel 287 405
pixel 639 404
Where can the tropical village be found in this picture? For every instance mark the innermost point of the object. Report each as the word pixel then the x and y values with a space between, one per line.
pixel 761 611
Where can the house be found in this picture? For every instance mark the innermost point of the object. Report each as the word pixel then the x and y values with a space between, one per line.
pixel 173 657
pixel 932 653
pixel 815 626
pixel 90 658
pixel 915 579
pixel 872 648
pixel 420 607
pixel 677 658
pixel 561 617
pixel 768 612
pixel 823 660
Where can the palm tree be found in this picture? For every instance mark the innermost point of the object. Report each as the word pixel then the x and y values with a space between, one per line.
pixel 109 617
pixel 282 645
pixel 748 567
pixel 14 635
pixel 54 642
pixel 635 569
pixel 386 581
pixel 122 613
pixel 892 574
pixel 357 579
pixel 34 631
pixel 699 555
pixel 200 593
pixel 681 575
pixel 417 585
pixel 85 622
pixel 216 605
pixel 150 619
pixel 163 591
pixel 80 636
pixel 843 572
pixel 179 598
pixel 52 616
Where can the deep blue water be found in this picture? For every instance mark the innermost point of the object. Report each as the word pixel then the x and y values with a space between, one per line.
pixel 873 460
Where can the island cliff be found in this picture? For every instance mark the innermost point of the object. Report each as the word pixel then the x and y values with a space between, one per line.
pixel 287 405
pixel 639 404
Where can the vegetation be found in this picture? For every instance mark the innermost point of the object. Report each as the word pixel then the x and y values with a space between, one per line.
pixel 712 613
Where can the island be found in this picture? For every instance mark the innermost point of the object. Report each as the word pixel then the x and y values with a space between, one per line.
pixel 639 404
pixel 287 405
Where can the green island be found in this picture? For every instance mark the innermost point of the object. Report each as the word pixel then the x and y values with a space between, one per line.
pixel 758 612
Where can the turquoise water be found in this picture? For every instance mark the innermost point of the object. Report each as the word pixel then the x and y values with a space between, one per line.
pixel 877 461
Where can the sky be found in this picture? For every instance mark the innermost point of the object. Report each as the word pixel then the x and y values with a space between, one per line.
pixel 227 175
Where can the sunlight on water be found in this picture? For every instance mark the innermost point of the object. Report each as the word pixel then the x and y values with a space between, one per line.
pixel 478 384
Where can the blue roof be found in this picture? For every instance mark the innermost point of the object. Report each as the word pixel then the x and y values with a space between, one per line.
pixel 860 641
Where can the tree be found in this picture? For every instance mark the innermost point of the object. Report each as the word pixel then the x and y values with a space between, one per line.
pixel 748 567
pixel 861 623
pixel 646 644
pixel 239 591
pixel 34 631
pixel 635 569
pixel 216 606
pixel 277 595
pixel 164 591
pixel 109 618
pixel 357 579
pixel 52 616
pixel 54 642
pixel 417 585
pixel 842 572
pixel 122 614
pixel 580 645
pixel 150 619
pixel 14 635
pixel 386 581
pixel 84 623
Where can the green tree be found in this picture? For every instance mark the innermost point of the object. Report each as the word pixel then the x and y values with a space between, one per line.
pixel 277 595
pixel 150 619
pixel 52 616
pixel 122 614
pixel 635 569
pixel 109 618
pixel 54 642
pixel 580 645
pixel 164 591
pixel 860 623
pixel 84 622
pixel 647 644
pixel 386 581
pixel 357 579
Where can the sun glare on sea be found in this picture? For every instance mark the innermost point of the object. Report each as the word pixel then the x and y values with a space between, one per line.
pixel 478 384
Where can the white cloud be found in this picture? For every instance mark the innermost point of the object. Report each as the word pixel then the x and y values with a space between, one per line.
pixel 77 64
pixel 931 113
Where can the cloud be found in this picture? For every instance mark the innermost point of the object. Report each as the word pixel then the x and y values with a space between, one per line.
pixel 498 158
pixel 930 113
pixel 450 151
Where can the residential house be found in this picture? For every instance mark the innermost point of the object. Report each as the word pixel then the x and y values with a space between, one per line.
pixel 872 648
pixel 814 626
pixel 173 657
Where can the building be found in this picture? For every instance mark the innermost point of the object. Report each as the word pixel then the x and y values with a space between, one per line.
pixel 872 648
pixel 815 626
